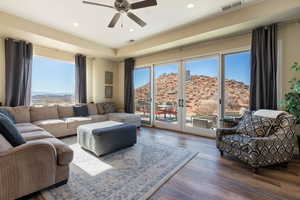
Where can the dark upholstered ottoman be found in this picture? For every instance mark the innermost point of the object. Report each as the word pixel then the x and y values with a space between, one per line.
pixel 106 137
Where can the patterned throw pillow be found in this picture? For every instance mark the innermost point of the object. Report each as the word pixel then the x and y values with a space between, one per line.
pixel 109 108
pixel 256 126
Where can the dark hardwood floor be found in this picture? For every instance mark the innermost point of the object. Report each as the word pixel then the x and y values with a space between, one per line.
pixel 212 177
pixel 209 176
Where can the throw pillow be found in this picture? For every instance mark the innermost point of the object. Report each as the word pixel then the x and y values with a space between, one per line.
pixel 92 109
pixel 110 108
pixel 10 132
pixel 100 107
pixel 256 126
pixel 8 114
pixel 81 111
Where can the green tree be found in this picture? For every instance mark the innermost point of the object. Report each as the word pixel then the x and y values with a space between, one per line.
pixel 291 102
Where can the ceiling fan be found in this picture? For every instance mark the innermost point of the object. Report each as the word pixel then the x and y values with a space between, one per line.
pixel 123 6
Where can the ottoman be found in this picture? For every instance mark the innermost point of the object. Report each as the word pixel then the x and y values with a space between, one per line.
pixel 106 137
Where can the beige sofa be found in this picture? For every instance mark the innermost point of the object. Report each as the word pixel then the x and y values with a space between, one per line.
pixel 60 120
pixel 43 160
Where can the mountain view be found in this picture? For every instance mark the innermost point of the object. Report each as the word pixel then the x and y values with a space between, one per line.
pixel 201 94
pixel 44 98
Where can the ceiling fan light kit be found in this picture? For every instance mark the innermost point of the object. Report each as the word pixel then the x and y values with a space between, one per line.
pixel 124 7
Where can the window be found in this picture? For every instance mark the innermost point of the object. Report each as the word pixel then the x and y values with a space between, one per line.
pixel 237 83
pixel 142 86
pixel 53 82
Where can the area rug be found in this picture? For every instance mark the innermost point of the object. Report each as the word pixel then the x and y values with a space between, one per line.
pixel 134 173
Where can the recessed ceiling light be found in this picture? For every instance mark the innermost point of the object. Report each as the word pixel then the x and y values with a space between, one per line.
pixel 190 5
pixel 131 30
pixel 75 24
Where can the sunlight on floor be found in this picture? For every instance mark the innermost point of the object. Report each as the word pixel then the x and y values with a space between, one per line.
pixel 88 162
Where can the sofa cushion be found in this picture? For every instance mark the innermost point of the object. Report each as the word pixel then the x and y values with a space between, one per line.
pixel 74 122
pixel 52 125
pixel 10 132
pixel 27 127
pixel 109 107
pixel 65 111
pixel 100 108
pixel 43 113
pixel 20 113
pixel 92 109
pixel 99 118
pixel 64 152
pixel 36 135
pixel 8 114
pixel 123 116
pixel 4 144
pixel 81 111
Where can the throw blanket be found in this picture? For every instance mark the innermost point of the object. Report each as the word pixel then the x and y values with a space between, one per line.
pixel 273 114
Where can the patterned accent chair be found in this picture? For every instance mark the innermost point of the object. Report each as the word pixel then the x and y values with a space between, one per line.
pixel 259 141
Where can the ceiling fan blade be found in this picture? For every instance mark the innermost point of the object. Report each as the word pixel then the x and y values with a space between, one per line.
pixel 143 4
pixel 97 4
pixel 114 20
pixel 135 18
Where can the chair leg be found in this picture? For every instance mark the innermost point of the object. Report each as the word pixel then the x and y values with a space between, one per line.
pixel 221 153
pixel 255 170
pixel 284 165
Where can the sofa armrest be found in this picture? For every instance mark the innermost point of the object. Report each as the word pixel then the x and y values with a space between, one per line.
pixel 26 169
pixel 281 143
pixel 226 131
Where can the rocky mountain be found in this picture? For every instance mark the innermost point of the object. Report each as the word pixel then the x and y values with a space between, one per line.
pixel 201 93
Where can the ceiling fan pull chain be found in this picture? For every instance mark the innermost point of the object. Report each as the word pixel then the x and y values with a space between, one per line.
pixel 122 23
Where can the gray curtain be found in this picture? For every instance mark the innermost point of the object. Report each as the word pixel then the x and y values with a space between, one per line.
pixel 263 87
pixel 18 72
pixel 80 79
pixel 129 87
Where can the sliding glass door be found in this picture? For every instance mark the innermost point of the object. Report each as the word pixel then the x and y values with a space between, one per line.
pixel 194 95
pixel 236 84
pixel 143 100
pixel 167 92
pixel 201 94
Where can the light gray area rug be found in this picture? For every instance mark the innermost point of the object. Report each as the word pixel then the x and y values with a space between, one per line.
pixel 134 173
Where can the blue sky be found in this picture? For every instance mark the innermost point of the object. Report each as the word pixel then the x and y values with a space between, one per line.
pixel 237 67
pixel 52 76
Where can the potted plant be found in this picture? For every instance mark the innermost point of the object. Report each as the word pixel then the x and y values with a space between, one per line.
pixel 291 102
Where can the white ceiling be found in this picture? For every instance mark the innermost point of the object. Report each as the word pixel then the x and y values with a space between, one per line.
pixel 93 20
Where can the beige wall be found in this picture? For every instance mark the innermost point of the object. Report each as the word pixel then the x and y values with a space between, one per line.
pixel 289 35
pixel 95 71
pixel 2 72
pixel 100 66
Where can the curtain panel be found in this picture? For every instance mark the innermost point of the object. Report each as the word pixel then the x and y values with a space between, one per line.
pixel 80 79
pixel 129 87
pixel 263 87
pixel 18 72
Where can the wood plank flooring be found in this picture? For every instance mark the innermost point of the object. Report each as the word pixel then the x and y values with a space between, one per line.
pixel 211 177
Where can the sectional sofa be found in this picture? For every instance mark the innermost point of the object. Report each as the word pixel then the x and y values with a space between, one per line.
pixel 43 161
pixel 60 121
